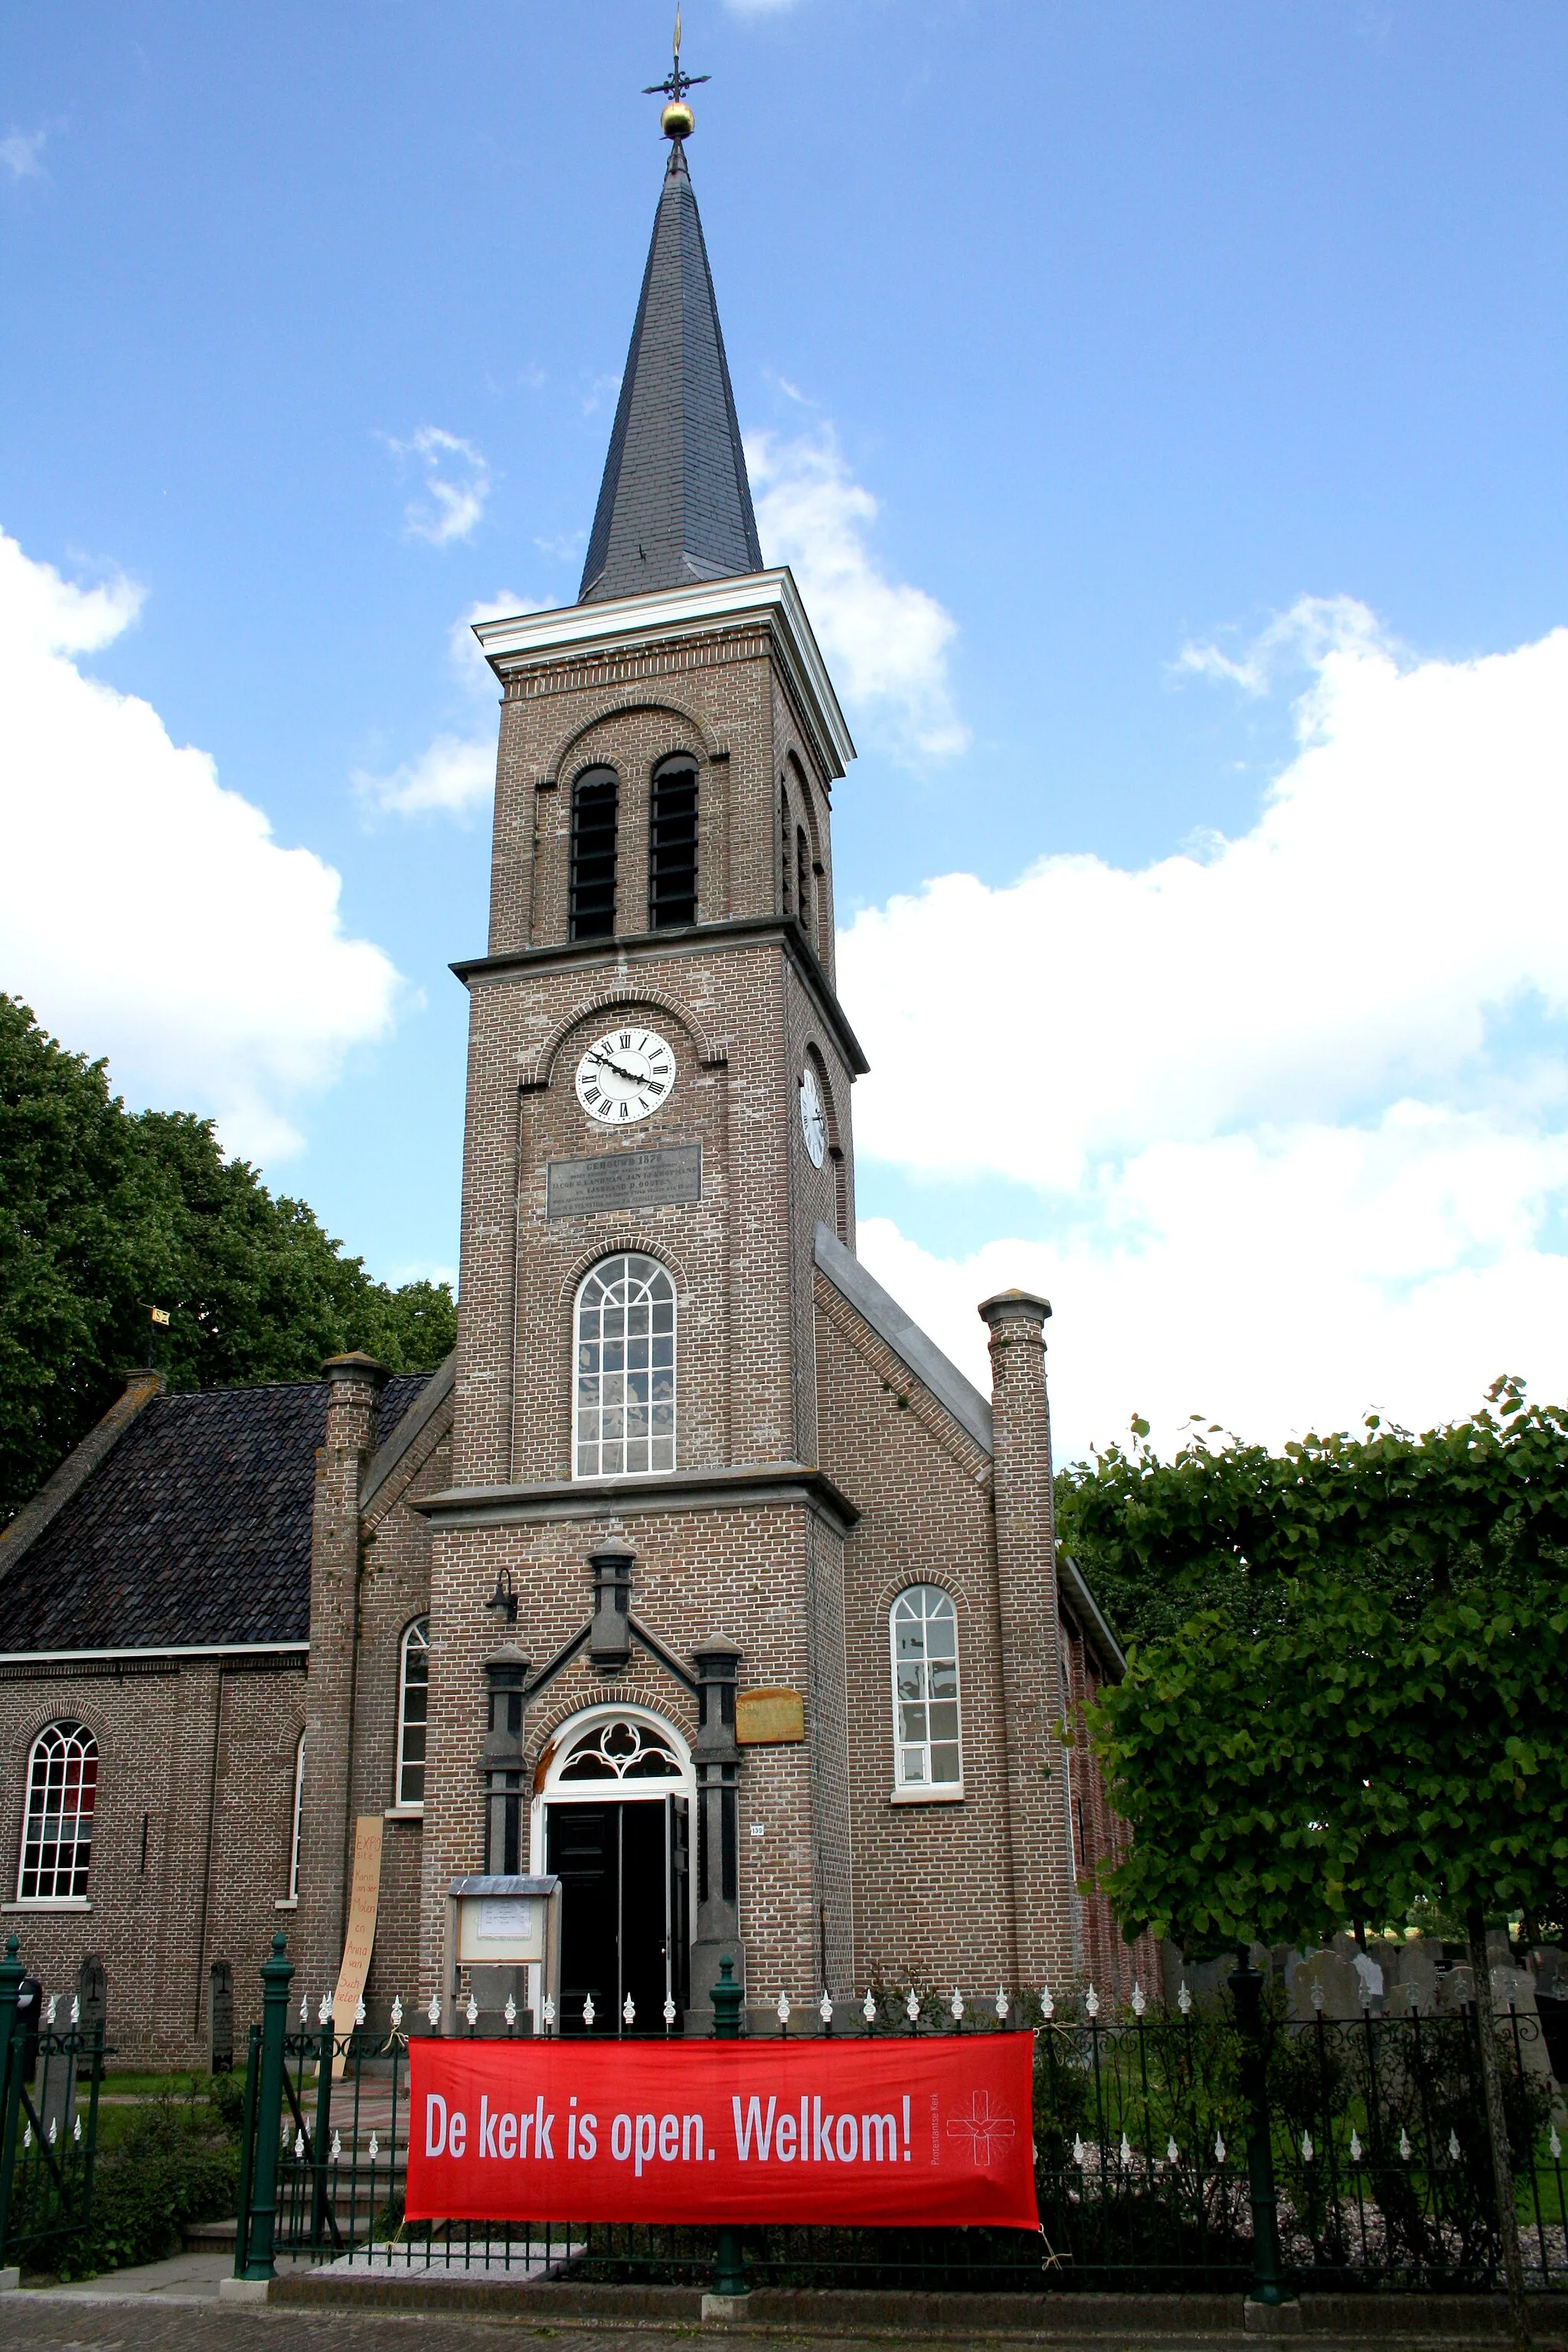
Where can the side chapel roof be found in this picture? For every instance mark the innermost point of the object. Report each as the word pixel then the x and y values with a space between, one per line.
pixel 675 504
pixel 195 1530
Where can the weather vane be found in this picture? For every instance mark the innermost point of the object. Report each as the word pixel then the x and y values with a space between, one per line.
pixel 677 120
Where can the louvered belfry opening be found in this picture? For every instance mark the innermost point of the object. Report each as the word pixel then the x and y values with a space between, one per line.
pixel 596 804
pixel 672 846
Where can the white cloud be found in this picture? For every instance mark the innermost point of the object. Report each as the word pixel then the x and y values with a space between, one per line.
pixel 455 774
pixel 146 912
pixel 452 776
pixel 887 641
pixel 1297 1112
pixel 457 483
pixel 21 153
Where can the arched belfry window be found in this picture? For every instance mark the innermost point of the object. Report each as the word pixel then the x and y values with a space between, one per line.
pixel 923 1627
pixel 413 1711
pixel 57 1828
pixel 786 854
pixel 595 805
pixel 803 876
pixel 623 1407
pixel 672 844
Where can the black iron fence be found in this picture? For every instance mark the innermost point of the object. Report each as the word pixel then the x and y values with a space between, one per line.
pixel 1230 2149
pixel 51 2073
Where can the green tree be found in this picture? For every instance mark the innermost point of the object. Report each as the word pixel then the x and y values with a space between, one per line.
pixel 104 1215
pixel 1227 1526
pixel 1370 1718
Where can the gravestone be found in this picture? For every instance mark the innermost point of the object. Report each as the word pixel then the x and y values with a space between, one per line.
pixel 1456 1989
pixel 220 2017
pixel 1550 1970
pixel 57 2088
pixel 1416 1980
pixel 1515 1989
pixel 92 1992
pixel 1331 1974
pixel 1371 1978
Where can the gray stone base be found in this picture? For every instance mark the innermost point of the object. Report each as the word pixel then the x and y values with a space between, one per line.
pixel 233 2290
pixel 725 2308
pixel 10 2280
pixel 1273 2318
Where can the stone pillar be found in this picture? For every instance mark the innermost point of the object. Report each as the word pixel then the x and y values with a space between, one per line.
pixel 326 1813
pixel 717 1756
pixel 610 1633
pixel 506 1785
pixel 1033 1693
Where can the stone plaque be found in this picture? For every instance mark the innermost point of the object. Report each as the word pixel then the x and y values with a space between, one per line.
pixel 769 1718
pixel 623 1180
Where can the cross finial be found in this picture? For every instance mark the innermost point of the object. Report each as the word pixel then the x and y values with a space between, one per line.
pixel 677 120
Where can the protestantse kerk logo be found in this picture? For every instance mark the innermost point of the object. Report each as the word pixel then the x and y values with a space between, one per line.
pixel 988 2129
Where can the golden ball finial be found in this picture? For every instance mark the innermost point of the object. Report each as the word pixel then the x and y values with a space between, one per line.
pixel 678 121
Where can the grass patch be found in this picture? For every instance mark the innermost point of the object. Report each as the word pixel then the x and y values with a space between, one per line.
pixel 161 2165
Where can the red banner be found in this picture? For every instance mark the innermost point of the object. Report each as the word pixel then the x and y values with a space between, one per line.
pixel 930 2130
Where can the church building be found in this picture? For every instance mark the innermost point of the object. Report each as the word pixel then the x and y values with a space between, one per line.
pixel 697 1577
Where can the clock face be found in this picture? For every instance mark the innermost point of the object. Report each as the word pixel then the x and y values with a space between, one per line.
pixel 626 1075
pixel 813 1126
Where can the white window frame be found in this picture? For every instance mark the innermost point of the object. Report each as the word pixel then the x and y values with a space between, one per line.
pixel 588 1452
pixel 292 1896
pixel 919 1787
pixel 415 1637
pixel 70 1736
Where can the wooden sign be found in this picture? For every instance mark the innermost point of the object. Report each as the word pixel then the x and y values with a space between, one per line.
pixel 769 1718
pixel 359 1941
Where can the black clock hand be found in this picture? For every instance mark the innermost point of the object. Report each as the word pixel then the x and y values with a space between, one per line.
pixel 630 1075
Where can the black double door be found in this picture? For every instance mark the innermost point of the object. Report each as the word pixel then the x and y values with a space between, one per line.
pixel 624 1910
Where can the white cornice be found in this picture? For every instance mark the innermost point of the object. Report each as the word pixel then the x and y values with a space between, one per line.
pixel 622 622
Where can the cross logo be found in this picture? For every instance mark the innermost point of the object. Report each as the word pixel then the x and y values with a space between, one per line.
pixel 987 2129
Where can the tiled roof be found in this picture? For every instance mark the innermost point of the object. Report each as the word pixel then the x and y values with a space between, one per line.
pixel 675 505
pixel 195 1530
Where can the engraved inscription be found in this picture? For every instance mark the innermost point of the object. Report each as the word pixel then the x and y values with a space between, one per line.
pixel 623 1180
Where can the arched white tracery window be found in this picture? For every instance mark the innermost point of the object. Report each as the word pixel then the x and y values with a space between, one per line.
pixel 620 1749
pixel 923 1628
pixel 623 1405
pixel 57 1828
pixel 299 1813
pixel 412 1712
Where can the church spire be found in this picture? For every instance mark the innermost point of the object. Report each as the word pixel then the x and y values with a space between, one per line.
pixel 675 504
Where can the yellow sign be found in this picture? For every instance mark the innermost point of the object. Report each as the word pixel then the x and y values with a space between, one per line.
pixel 769 1718
pixel 359 1941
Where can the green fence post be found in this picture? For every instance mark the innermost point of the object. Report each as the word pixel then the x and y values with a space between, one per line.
pixel 729 2273
pixel 319 2225
pixel 246 2151
pixel 260 2238
pixel 1267 2283
pixel 11 1975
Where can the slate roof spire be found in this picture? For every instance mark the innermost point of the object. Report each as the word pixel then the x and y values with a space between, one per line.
pixel 675 504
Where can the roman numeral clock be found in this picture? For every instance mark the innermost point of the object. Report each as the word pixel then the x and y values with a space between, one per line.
pixel 625 1075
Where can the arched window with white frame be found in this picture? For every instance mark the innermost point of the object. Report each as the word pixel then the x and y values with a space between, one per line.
pixel 298 1817
pixel 622 1397
pixel 922 1629
pixel 413 1713
pixel 56 1827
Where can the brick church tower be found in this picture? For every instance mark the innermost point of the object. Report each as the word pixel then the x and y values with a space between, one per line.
pixel 679 1437
pixel 699 1577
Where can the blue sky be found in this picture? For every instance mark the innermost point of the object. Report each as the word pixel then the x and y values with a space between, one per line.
pixel 1163 411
